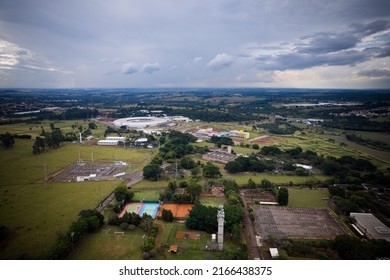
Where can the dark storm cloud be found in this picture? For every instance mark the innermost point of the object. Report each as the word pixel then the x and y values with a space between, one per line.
pixel 330 49
pixel 227 38
pixel 375 73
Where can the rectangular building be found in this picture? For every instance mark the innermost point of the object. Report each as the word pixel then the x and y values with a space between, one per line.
pixel 371 226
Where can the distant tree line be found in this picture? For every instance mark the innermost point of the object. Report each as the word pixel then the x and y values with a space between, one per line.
pixel 375 144
pixel 279 127
pixel 357 123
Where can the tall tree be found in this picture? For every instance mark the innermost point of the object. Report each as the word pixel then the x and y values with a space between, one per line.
pixel 7 140
pixel 283 196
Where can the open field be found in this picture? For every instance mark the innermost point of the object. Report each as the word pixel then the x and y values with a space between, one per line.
pixel 149 195
pixel 35 213
pixel 280 222
pixel 150 185
pixel 20 160
pixel 306 198
pixel 106 245
pixel 212 201
pixel 35 129
pixel 242 179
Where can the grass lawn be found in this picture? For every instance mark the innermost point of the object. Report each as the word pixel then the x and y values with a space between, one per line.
pixel 188 249
pixel 212 201
pixel 307 198
pixel 147 195
pixel 242 179
pixel 35 213
pixel 150 185
pixel 105 245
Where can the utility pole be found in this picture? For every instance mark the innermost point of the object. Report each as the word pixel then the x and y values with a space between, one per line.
pixel 45 174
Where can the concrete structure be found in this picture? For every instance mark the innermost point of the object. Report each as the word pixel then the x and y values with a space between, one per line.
pixel 306 167
pixel 274 253
pixel 221 223
pixel 86 178
pixel 108 142
pixel 118 138
pixel 371 226
pixel 141 122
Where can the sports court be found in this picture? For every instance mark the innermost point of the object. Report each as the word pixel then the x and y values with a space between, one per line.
pixel 178 210
pixel 150 208
pixel 281 222
pixel 130 208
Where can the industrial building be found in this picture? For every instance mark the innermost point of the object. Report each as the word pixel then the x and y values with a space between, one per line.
pixel 111 141
pixel 371 226
pixel 220 156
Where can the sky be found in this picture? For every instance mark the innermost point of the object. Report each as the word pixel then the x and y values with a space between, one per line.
pixel 195 43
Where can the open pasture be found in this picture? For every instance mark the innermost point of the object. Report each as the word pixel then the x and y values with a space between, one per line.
pixel 307 198
pixel 106 245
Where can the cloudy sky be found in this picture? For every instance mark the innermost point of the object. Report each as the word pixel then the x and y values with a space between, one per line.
pixel 195 43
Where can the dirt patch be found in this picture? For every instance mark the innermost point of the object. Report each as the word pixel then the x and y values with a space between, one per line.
pixel 257 196
pixel 215 192
pixel 194 235
pixel 264 140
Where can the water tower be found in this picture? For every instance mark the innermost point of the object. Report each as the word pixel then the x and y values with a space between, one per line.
pixel 221 222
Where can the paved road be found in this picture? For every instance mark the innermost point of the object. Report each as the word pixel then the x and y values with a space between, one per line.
pixel 249 233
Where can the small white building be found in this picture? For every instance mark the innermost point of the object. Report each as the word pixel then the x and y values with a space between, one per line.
pixel 118 138
pixel 274 253
pixel 108 142
pixel 141 141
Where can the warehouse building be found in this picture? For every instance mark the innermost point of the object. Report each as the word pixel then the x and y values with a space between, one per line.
pixel 371 226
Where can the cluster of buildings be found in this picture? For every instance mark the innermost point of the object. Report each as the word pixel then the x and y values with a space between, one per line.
pixel 209 132
pixel 220 156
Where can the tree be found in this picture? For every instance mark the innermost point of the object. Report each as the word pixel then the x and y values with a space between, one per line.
pixel 194 189
pixel 251 184
pixel 283 196
pixel 152 172
pixel 92 125
pixel 211 171
pixel 187 163
pixel 234 215
pixel 255 146
pixel 266 184
pixel 7 140
pixel 123 194
pixel 167 215
pixel 203 218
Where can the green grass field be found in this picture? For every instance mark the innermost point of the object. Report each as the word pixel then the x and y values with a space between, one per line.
pixel 307 198
pixel 35 213
pixel 212 201
pixel 147 195
pixel 106 245
pixel 242 179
